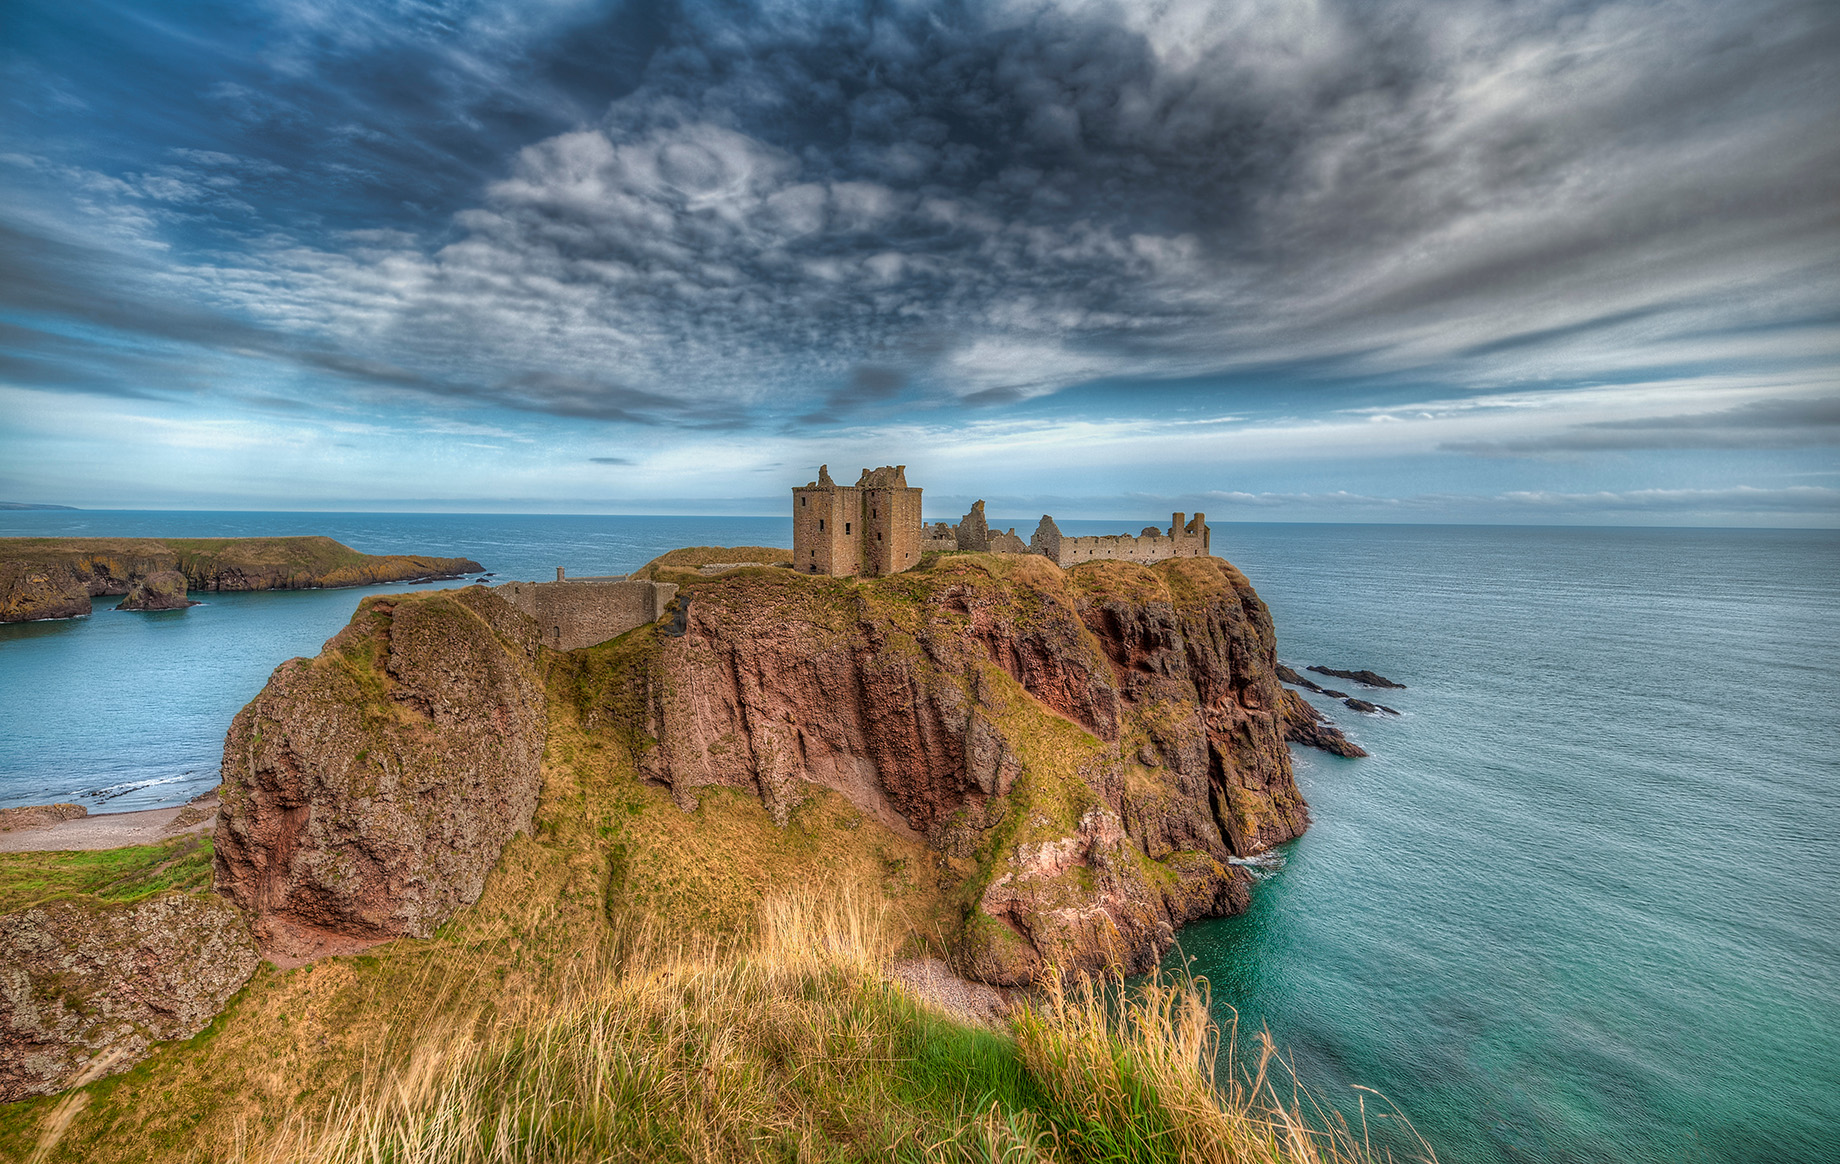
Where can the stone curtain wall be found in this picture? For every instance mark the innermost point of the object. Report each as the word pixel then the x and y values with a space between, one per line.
pixel 583 612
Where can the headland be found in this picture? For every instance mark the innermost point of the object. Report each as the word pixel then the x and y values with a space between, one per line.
pixel 50 578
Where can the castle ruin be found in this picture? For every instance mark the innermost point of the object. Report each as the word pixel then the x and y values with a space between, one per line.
pixel 871 528
pixel 874 528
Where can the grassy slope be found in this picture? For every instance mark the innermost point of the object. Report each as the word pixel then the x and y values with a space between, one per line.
pixel 688 558
pixel 117 875
pixel 638 983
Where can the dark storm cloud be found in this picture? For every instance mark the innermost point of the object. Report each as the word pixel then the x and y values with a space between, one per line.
pixel 716 215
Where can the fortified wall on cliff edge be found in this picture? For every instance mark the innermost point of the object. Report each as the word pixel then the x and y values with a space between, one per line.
pixel 579 612
pixel 874 528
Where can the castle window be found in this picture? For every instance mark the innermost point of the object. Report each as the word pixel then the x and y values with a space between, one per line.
pixel 846 527
pixel 801 501
pixel 878 537
pixel 820 525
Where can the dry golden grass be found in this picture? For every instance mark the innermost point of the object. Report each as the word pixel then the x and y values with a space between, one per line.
pixel 793 1046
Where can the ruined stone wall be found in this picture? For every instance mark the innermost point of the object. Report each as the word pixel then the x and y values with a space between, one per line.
pixel 1116 548
pixel 1184 540
pixel 582 612
pixel 1191 540
pixel 938 537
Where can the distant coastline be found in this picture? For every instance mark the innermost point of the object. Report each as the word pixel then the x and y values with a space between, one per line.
pixel 33 505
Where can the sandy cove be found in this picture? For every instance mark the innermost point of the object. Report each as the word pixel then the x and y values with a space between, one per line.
pixel 41 832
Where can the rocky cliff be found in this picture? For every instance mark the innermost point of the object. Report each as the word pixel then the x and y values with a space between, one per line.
pixel 1092 748
pixel 1090 751
pixel 57 577
pixel 87 986
pixel 368 791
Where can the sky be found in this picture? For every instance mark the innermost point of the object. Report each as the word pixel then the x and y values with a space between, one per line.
pixel 1372 260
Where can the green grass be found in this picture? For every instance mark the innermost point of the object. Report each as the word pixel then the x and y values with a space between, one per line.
pixel 115 875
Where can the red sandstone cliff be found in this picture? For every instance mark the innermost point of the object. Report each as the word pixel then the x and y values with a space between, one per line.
pixel 1091 747
pixel 368 791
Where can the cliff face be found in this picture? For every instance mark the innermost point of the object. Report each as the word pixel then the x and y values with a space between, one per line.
pixel 1088 750
pixel 368 791
pixel 56 577
pixel 1091 747
pixel 86 987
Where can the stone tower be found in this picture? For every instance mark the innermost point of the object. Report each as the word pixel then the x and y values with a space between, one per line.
pixel 871 528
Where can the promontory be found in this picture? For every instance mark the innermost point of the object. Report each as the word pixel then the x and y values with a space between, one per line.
pixel 45 578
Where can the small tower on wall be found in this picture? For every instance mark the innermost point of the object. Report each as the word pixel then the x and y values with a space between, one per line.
pixel 1192 540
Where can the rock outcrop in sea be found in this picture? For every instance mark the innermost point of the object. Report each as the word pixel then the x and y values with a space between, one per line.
pixel 1364 678
pixel 1305 725
pixel 160 590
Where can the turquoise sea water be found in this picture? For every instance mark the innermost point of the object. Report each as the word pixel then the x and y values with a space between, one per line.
pixel 1581 904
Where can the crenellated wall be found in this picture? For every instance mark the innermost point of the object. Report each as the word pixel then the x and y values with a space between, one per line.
pixel 580 612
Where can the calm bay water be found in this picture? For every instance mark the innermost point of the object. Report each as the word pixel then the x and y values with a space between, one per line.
pixel 1582 903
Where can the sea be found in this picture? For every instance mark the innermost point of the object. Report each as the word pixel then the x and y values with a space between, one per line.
pixel 1582 902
